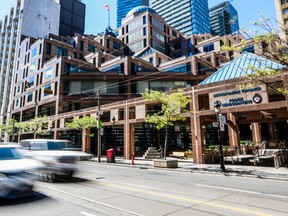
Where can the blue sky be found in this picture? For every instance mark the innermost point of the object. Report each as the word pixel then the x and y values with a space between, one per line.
pixel 97 17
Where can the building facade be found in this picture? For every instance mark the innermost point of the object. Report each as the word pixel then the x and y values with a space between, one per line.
pixel 124 6
pixel 187 16
pixel 72 17
pixel 282 16
pixel 223 19
pixel 61 76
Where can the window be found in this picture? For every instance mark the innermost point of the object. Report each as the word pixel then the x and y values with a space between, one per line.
pixel 31 81
pixel 48 90
pixel 91 48
pixel 285 11
pixel 208 47
pixel 30 97
pixel 116 45
pixel 144 31
pixel 33 67
pixel 48 49
pixel 60 51
pixel 34 52
pixel 49 72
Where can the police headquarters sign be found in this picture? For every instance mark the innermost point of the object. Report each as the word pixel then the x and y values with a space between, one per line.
pixel 240 97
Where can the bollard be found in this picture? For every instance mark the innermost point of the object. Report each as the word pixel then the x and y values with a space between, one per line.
pixel 132 160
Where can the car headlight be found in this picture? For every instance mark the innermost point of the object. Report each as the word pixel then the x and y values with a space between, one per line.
pixel 2 176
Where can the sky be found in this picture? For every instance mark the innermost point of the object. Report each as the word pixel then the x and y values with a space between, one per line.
pixel 97 15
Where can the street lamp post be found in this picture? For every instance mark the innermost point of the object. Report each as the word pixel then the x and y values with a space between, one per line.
pixel 99 126
pixel 114 138
pixel 217 106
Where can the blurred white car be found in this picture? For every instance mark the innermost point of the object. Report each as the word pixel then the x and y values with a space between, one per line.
pixel 16 173
pixel 59 156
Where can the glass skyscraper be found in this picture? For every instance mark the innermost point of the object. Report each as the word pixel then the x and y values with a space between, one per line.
pixel 124 6
pixel 187 16
pixel 223 19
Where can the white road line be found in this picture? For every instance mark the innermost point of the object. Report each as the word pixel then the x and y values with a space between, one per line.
pixel 134 185
pixel 90 200
pixel 87 214
pixel 243 191
pixel 92 171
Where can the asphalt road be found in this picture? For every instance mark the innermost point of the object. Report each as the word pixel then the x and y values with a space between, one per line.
pixel 105 189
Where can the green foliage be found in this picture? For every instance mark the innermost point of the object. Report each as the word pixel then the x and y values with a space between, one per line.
pixel 268 42
pixel 172 106
pixel 37 125
pixel 8 126
pixel 82 123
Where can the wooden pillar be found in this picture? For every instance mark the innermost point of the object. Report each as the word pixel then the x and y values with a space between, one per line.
pixel 256 132
pixel 233 130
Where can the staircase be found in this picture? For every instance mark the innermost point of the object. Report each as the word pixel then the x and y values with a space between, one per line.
pixel 152 153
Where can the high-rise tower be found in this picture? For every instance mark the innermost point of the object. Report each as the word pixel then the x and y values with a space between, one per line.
pixel 187 16
pixel 124 6
pixel 223 19
pixel 282 16
pixel 72 17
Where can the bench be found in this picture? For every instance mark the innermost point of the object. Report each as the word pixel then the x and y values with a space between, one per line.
pixel 180 155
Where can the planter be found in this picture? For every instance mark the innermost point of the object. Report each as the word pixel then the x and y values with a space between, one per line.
pixel 165 163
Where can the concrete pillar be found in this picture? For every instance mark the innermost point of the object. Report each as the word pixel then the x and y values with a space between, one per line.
pixel 127 140
pixel 233 130
pixel 256 132
pixel 197 142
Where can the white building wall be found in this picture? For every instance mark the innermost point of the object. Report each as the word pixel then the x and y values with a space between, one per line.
pixel 40 17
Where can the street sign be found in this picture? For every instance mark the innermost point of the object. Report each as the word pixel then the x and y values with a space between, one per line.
pixel 222 119
pixel 101 131
pixel 222 127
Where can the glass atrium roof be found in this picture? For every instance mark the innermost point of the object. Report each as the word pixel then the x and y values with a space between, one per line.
pixel 240 66
pixel 140 9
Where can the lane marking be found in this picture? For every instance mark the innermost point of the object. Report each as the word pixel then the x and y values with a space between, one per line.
pixel 244 191
pixel 87 214
pixel 90 200
pixel 186 199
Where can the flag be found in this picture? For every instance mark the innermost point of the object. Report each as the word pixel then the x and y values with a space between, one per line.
pixel 107 7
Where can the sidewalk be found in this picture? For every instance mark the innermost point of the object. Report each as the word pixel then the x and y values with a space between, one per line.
pixel 262 172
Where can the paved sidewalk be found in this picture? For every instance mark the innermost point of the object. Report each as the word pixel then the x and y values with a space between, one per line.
pixel 262 172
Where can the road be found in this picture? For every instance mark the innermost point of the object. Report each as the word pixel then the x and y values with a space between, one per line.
pixel 105 189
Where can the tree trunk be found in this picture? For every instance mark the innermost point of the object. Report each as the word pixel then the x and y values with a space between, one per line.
pixel 165 142
pixel 83 140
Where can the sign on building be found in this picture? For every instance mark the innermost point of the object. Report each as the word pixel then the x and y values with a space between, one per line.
pixel 239 97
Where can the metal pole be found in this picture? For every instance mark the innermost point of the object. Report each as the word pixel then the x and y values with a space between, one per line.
pixel 99 130
pixel 114 138
pixel 222 167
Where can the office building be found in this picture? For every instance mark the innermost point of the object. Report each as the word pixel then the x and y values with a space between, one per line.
pixel 72 17
pixel 124 6
pixel 282 16
pixel 187 16
pixel 35 19
pixel 223 19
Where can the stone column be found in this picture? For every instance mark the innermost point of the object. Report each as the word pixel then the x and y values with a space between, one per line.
pixel 233 130
pixel 256 132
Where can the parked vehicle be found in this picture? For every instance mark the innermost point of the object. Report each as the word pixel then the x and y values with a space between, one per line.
pixel 59 156
pixel 16 173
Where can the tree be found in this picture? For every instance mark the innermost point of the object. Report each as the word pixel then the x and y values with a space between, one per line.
pixel 9 127
pixel 37 125
pixel 82 124
pixel 172 106
pixel 269 43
